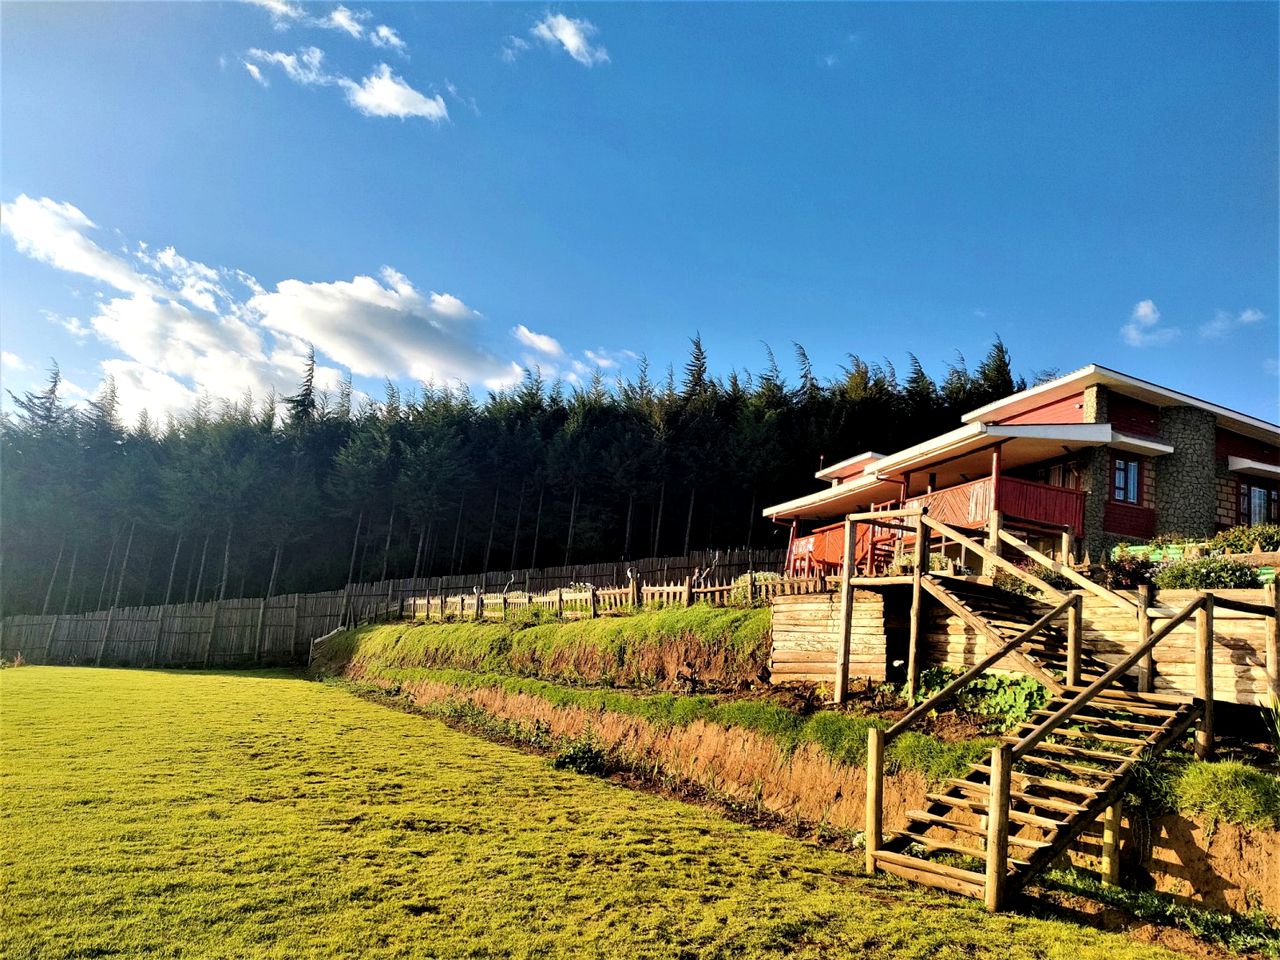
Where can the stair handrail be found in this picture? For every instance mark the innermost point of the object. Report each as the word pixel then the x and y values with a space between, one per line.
pixel 990 555
pixel 1089 693
pixel 1064 570
pixel 977 669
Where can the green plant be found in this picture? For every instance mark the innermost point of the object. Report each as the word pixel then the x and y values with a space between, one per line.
pixel 1230 791
pixel 740 594
pixel 1124 569
pixel 1205 573
pixel 1015 584
pixel 937 563
pixel 1243 539
pixel 582 756
pixel 1003 700
pixel 1163 540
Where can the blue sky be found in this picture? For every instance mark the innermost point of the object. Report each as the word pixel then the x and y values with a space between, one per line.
pixel 475 188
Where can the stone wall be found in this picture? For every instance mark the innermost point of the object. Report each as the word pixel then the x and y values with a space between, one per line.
pixel 1186 480
pixel 1095 474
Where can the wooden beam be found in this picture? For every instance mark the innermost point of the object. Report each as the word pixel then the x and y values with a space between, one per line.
pixel 1273 643
pixel 917 607
pixel 1075 627
pixel 998 827
pixel 1204 677
pixel 1147 665
pixel 1124 603
pixel 875 795
pixel 873 515
pixel 846 617
pixel 951 533
pixel 1111 845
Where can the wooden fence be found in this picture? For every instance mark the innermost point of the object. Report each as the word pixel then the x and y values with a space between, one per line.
pixel 279 630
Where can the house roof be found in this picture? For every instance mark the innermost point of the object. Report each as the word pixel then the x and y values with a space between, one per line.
pixel 1139 389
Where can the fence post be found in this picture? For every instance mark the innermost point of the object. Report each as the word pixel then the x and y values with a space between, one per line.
pixel 637 592
pixel 106 635
pixel 998 826
pixel 1147 665
pixel 751 588
pixel 257 633
pixel 441 607
pixel 504 608
pixel 688 591
pixel 1204 676
pixel 875 795
pixel 1111 845
pixel 1273 642
pixel 48 641
pixel 208 640
pixel 595 603
pixel 293 624
pixel 559 601
pixel 841 691
pixel 1075 625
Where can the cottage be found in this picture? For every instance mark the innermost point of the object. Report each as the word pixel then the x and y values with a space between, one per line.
pixel 1075 465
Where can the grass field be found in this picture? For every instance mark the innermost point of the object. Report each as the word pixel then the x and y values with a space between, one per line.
pixel 152 814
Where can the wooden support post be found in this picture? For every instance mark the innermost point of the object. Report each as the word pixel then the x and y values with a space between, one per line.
pixel 1147 665
pixel 841 690
pixel 559 601
pixel 920 569
pixel 998 826
pixel 1273 644
pixel 637 595
pixel 595 603
pixel 875 795
pixel 442 611
pixel 751 588
pixel 257 633
pixel 504 608
pixel 1111 845
pixel 106 636
pixel 1068 546
pixel 1204 677
pixel 688 591
pixel 208 640
pixel 48 640
pixel 994 523
pixel 1075 630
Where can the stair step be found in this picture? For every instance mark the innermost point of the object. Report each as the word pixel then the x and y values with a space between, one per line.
pixel 946 846
pixel 1086 716
pixel 1060 766
pixel 980 806
pixel 1168 701
pixel 1030 799
pixel 927 819
pixel 931 874
pixel 1067 731
pixel 1066 750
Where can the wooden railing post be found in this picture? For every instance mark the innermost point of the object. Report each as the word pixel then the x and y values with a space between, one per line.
pixel 1147 665
pixel 921 568
pixel 1075 627
pixel 1204 677
pixel 875 795
pixel 1273 644
pixel 845 636
pixel 998 826
pixel 994 523
pixel 1068 546
pixel 1111 845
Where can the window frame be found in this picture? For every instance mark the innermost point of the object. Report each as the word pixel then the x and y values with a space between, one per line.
pixel 1246 488
pixel 1119 491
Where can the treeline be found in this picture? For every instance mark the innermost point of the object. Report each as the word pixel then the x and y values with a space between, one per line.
pixel 300 493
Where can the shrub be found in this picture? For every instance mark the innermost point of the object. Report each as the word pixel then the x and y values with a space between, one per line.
pixel 1205 573
pixel 740 595
pixel 1244 539
pixel 1230 791
pixel 1126 570
pixel 1013 584
pixel 582 756
pixel 1005 700
pixel 937 563
pixel 1171 540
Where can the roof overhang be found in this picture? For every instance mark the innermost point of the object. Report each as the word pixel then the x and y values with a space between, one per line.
pixel 1142 445
pixel 1253 468
pixel 848 468
pixel 1143 390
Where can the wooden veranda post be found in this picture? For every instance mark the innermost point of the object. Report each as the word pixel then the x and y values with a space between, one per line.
pixel 998 826
pixel 1147 665
pixel 919 569
pixel 846 617
pixel 875 795
pixel 1273 642
pixel 1075 627
pixel 1204 677
pixel 1111 845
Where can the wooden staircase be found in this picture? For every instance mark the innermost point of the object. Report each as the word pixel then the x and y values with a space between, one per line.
pixel 992 831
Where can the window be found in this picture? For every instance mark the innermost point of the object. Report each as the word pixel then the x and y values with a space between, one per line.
pixel 1126 483
pixel 1259 503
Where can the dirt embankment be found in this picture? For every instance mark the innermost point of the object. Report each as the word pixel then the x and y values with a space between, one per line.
pixel 1225 867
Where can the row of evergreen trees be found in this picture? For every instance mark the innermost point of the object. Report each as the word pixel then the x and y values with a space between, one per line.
pixel 299 494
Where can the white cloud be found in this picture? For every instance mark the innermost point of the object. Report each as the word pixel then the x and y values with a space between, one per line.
pixel 11 361
pixel 540 342
pixel 469 102
pixel 54 233
pixel 383 94
pixel 384 36
pixel 255 71
pixel 343 19
pixel 1224 322
pixel 573 35
pixel 282 12
pixel 385 328
pixel 831 60
pixel 1143 328
pixel 305 67
pixel 512 47
pixel 601 359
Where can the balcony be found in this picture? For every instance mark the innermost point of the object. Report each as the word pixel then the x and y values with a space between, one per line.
pixel 970 504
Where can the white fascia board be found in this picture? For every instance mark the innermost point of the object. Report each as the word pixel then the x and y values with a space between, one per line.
pixel 1254 468
pixel 929 448
pixel 1132 444
pixel 1066 432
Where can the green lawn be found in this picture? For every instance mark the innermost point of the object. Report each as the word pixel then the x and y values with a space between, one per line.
pixel 152 814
